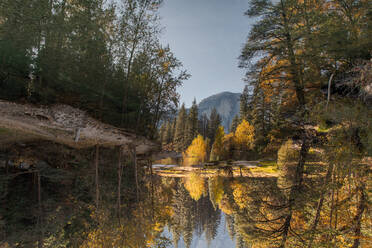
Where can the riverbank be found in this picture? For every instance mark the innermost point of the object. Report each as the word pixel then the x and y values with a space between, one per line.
pixel 64 125
pixel 259 169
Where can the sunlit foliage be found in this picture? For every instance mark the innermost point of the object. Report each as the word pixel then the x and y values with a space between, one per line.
pixel 195 185
pixel 196 152
pixel 244 135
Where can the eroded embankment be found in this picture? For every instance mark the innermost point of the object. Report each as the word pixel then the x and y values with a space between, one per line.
pixel 64 125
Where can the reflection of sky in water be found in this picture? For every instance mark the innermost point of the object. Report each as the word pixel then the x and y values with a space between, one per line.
pixel 222 239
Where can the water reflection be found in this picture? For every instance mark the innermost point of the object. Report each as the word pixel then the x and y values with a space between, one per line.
pixel 216 211
pixel 194 211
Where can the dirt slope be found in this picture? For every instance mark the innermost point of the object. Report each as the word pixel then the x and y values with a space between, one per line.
pixel 65 125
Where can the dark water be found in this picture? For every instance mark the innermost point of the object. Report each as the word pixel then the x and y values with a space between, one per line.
pixel 57 207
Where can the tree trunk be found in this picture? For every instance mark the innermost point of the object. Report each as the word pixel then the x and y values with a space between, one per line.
pixel 332 202
pixel 41 232
pixel 294 67
pixel 152 191
pixel 320 204
pixel 296 188
pixel 358 217
pixel 336 204
pixel 329 89
pixel 136 171
pixel 119 183
pixel 286 226
pixel 97 177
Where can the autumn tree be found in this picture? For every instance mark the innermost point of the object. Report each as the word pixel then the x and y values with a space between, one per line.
pixel 195 185
pixel 244 136
pixel 196 152
pixel 217 147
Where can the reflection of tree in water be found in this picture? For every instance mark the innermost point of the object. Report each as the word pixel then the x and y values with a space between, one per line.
pixel 182 222
pixel 211 226
pixel 261 207
pixel 229 221
pixel 329 210
pixel 216 190
pixel 189 216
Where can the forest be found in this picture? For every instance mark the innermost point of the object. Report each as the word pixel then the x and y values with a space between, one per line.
pixel 305 122
pixel 100 56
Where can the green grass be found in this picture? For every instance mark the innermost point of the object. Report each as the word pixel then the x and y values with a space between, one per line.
pixel 267 167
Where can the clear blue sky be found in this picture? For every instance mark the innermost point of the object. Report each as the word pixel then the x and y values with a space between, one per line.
pixel 207 36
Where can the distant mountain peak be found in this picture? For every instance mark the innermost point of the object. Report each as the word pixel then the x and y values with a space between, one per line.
pixel 226 104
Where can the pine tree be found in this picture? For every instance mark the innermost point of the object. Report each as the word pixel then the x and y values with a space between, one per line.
pixel 214 123
pixel 180 135
pixel 192 123
pixel 244 104
pixel 217 147
pixel 203 125
pixel 234 124
pixel 230 223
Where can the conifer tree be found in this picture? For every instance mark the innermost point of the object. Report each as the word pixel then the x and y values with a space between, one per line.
pixel 203 125
pixel 192 123
pixel 217 147
pixel 214 123
pixel 234 124
pixel 180 135
pixel 244 104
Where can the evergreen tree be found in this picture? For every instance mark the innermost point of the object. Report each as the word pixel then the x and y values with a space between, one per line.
pixel 217 147
pixel 192 123
pixel 203 125
pixel 244 104
pixel 230 225
pixel 234 124
pixel 180 134
pixel 214 123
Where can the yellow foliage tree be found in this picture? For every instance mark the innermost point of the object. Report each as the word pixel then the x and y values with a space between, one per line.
pixel 244 135
pixel 196 152
pixel 195 185
pixel 217 148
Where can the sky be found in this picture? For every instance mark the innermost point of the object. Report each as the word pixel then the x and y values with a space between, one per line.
pixel 207 37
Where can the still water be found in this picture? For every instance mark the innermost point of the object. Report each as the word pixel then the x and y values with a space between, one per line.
pixel 55 207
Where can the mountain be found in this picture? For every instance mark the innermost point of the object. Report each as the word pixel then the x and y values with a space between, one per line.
pixel 226 104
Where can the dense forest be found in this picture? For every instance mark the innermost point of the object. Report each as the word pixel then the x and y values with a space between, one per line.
pixel 305 119
pixel 100 56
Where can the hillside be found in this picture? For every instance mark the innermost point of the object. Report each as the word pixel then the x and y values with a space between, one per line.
pixel 226 104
